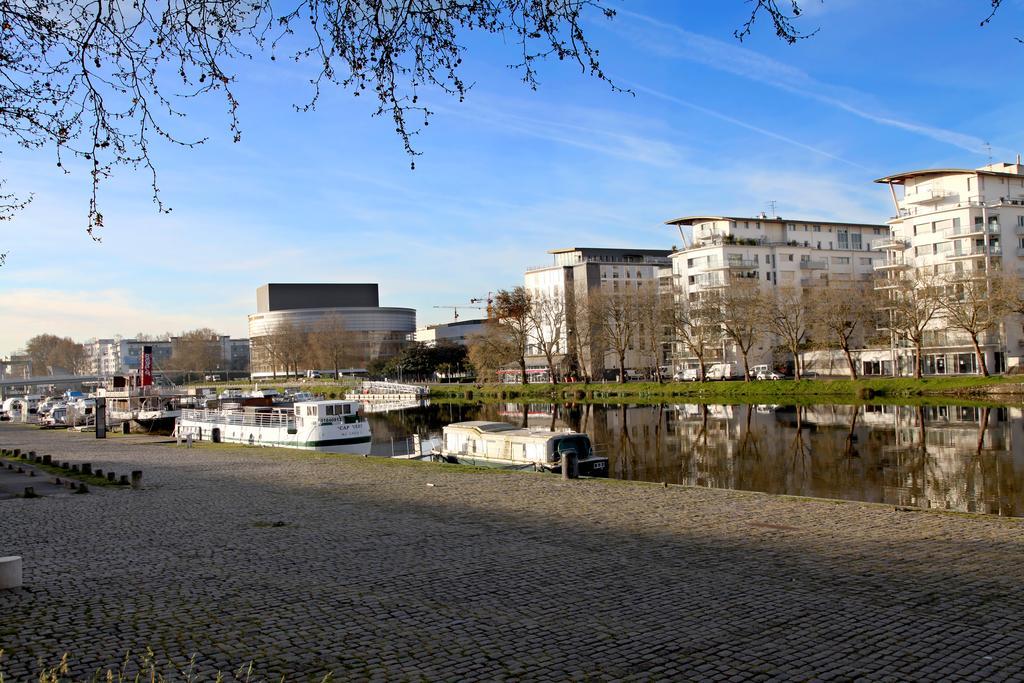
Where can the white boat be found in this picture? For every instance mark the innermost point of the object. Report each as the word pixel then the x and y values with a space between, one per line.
pixel 322 425
pixel 499 444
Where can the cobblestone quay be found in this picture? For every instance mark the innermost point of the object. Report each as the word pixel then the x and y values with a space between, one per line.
pixel 306 564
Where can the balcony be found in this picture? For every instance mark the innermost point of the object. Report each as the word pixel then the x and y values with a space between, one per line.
pixel 927 196
pixel 733 263
pixel 976 250
pixel 890 243
pixel 813 265
pixel 895 264
pixel 977 229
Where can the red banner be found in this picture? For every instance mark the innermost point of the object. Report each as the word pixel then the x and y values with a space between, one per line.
pixel 146 367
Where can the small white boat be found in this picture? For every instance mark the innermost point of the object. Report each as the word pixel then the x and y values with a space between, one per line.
pixel 499 444
pixel 321 425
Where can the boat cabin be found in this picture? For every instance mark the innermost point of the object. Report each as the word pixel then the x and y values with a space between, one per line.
pixel 499 441
pixel 326 412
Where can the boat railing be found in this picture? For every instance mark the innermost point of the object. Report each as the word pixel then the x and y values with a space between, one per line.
pixel 277 419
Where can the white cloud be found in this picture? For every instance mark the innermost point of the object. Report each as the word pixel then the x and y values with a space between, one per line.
pixel 98 313
pixel 672 41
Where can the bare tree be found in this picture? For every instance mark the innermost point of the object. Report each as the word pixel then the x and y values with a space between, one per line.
pixel 786 315
pixel 617 322
pixel 914 303
pixel 976 302
pixel 331 343
pixel 743 307
pixel 490 351
pixel 697 323
pixel 582 333
pixel 50 354
pixel 196 351
pixel 293 346
pixel 511 312
pixel 841 316
pixel 101 82
pixel 547 329
pixel 281 347
pixel 654 322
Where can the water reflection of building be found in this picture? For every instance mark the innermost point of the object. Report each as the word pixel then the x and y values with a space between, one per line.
pixel 951 457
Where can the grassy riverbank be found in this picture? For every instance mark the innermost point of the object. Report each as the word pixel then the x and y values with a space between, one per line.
pixel 1003 388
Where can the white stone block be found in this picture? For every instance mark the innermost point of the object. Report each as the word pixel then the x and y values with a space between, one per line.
pixel 10 572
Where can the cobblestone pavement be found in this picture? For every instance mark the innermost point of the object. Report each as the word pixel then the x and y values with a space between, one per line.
pixel 372 573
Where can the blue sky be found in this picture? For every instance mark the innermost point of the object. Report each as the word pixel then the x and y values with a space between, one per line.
pixel 716 126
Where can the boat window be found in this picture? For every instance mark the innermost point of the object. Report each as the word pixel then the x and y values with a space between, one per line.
pixel 580 444
pixel 330 409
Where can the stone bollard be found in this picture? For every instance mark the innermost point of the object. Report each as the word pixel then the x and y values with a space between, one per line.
pixel 123 481
pixel 30 492
pixel 47 459
pixel 37 458
pixel 32 456
pixel 17 452
pixel 21 470
pixel 111 477
pixel 57 481
pixel 82 488
pixel 10 572
pixel 75 468
pixel 136 479
pixel 31 473
pixel 98 473
pixel 86 468
pixel 65 466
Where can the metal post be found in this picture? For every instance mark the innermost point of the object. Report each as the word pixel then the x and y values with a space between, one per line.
pixel 101 418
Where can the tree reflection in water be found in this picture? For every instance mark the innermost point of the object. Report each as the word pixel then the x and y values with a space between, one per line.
pixel 956 457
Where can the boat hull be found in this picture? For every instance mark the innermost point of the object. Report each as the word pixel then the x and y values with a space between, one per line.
pixel 588 467
pixel 334 436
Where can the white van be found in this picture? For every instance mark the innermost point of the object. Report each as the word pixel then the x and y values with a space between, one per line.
pixel 720 371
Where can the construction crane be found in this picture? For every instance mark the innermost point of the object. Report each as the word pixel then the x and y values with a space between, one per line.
pixel 489 300
pixel 456 308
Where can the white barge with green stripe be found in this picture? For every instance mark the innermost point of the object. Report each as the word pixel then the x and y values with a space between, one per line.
pixel 334 426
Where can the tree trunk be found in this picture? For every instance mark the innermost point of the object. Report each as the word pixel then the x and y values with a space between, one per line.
pixel 849 360
pixel 746 368
pixel 917 360
pixel 796 363
pixel 551 371
pixel 622 367
pixel 522 368
pixel 980 354
pixel 700 363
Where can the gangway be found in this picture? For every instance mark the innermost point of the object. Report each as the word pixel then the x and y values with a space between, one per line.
pixel 387 392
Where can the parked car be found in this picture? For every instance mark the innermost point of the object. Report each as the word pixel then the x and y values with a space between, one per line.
pixel 764 372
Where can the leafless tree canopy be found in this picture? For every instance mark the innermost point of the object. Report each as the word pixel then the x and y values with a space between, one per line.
pixel 50 353
pixel 100 80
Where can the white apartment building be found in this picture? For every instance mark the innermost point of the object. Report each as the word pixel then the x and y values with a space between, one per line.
pixel 775 252
pixel 573 274
pixel 118 356
pixel 959 221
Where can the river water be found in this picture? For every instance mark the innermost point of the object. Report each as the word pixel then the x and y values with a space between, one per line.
pixel 951 457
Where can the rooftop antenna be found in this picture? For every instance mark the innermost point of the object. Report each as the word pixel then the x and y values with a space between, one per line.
pixel 771 205
pixel 988 148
